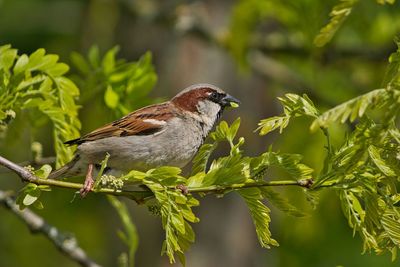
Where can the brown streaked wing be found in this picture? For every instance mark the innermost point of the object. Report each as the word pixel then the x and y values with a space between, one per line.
pixel 132 124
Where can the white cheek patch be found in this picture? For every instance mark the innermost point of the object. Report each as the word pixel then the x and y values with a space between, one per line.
pixel 155 122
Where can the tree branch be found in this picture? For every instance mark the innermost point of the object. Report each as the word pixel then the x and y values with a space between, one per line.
pixel 27 176
pixel 307 183
pixel 67 244
pixel 141 195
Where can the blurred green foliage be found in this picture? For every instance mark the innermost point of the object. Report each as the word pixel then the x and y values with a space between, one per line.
pixel 124 85
pixel 275 42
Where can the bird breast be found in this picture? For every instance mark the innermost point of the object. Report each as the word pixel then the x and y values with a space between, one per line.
pixel 174 145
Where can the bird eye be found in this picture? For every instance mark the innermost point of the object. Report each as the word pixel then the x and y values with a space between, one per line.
pixel 214 96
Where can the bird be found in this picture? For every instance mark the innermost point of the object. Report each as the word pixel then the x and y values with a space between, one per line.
pixel 165 134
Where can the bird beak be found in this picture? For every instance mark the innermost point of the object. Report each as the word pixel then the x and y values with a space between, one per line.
pixel 227 101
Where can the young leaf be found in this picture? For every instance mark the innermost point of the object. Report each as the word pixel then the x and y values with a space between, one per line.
pixel 339 14
pixel 260 214
pixel 358 106
pixel 281 203
pixel 293 106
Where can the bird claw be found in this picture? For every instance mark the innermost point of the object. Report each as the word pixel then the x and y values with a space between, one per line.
pixel 87 187
pixel 183 189
pixel 89 182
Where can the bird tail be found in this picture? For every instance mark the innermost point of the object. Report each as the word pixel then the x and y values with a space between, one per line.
pixel 59 173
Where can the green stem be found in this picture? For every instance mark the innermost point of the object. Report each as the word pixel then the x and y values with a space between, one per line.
pixel 141 195
pixel 220 188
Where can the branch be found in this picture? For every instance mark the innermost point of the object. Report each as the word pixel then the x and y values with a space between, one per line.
pixel 141 195
pixel 307 183
pixel 27 176
pixel 68 245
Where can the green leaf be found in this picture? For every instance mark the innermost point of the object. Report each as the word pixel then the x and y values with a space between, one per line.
pixel 7 57
pixel 281 203
pixel 111 98
pixel 384 167
pixel 201 159
pixel 392 76
pixel 339 14
pixel 196 180
pixel 28 196
pixel 21 64
pixel 391 224
pixel 260 214
pixel 175 214
pixel 80 63
pixel 108 62
pixel 94 56
pixel 166 175
pixel 35 59
pixel 43 172
pixel 58 70
pixel 293 106
pixel 291 163
pixel 270 124
pixel 233 129
pixel 227 170
pixel 358 106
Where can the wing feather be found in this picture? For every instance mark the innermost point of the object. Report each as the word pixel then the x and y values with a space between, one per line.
pixel 145 121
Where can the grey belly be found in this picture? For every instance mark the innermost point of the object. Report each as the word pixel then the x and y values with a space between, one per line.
pixel 140 152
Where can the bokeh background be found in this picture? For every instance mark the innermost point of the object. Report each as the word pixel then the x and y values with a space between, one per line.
pixel 256 51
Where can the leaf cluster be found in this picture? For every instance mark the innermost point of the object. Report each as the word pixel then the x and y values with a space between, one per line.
pixel 364 169
pixel 124 85
pixel 37 82
pixel 339 13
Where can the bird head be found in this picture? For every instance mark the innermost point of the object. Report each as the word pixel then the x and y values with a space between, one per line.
pixel 204 99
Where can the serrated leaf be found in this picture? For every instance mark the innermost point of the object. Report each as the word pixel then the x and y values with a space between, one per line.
pixel 178 233
pixel 338 15
pixel 393 70
pixel 260 214
pixel 201 159
pixel 392 227
pixel 270 124
pixel 385 168
pixel 293 106
pixel 288 162
pixel 281 203
pixel 357 105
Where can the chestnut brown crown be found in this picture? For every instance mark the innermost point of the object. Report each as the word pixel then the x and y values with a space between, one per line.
pixel 190 97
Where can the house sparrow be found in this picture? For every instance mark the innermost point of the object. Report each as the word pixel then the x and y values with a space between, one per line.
pixel 169 133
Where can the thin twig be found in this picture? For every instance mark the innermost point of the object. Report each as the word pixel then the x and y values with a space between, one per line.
pixel 27 176
pixel 67 244
pixel 140 195
pixel 217 188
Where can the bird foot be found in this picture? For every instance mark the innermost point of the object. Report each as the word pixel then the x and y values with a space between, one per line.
pixel 183 189
pixel 89 182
